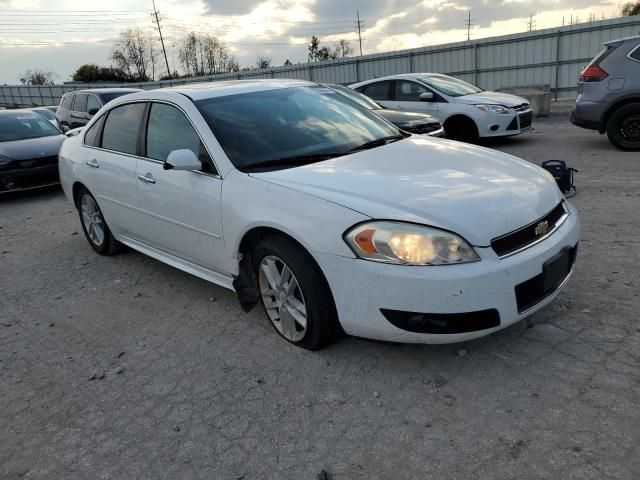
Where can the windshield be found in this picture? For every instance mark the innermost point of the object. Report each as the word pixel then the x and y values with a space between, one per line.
pixel 302 123
pixel 450 86
pixel 356 97
pixel 24 126
pixel 48 114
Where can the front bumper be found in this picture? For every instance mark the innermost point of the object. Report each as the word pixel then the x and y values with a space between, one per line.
pixel 361 289
pixel 504 125
pixel 16 179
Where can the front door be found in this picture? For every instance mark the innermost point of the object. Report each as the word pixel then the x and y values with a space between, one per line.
pixel 406 96
pixel 180 209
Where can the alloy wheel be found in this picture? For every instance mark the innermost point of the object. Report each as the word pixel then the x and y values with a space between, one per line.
pixel 630 128
pixel 283 299
pixel 92 220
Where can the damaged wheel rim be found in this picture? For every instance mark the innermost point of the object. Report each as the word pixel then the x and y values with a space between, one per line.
pixel 282 298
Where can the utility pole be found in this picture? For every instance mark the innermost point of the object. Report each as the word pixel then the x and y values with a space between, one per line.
pixel 359 26
pixel 532 24
pixel 468 23
pixel 155 12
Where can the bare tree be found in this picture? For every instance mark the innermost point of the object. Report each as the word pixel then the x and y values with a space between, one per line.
pixel 205 55
pixel 131 54
pixel 342 49
pixel 318 53
pixel 263 62
pixel 37 77
pixel 630 9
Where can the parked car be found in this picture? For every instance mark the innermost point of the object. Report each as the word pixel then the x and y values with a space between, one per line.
pixel 29 147
pixel 609 94
pixel 329 215
pixel 52 108
pixel 46 113
pixel 77 108
pixel 412 122
pixel 466 111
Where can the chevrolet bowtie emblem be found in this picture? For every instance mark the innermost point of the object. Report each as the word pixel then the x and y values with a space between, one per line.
pixel 542 228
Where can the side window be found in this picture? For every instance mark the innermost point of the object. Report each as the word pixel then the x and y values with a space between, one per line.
pixel 168 129
pixel 377 91
pixel 121 128
pixel 93 105
pixel 80 105
pixel 92 137
pixel 67 101
pixel 635 54
pixel 406 91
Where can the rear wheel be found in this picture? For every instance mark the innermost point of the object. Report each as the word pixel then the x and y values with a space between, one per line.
pixel 462 129
pixel 94 225
pixel 623 128
pixel 295 294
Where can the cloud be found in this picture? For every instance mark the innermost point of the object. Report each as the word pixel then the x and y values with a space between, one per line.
pixel 230 7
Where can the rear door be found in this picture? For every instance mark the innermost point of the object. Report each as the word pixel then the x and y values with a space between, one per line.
pixel 181 209
pixel 112 161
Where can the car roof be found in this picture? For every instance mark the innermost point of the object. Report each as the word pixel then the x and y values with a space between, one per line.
pixel 106 90
pixel 204 90
pixel 620 41
pixel 399 76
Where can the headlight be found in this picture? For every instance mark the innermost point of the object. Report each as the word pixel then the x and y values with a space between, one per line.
pixel 408 244
pixel 494 108
pixel 4 160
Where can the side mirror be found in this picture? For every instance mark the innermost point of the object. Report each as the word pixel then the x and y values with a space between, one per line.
pixel 183 159
pixel 65 128
pixel 93 111
pixel 426 97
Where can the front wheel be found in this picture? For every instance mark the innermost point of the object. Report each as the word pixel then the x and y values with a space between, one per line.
pixel 94 225
pixel 623 128
pixel 295 294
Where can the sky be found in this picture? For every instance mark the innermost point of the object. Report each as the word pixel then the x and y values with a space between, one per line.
pixel 62 35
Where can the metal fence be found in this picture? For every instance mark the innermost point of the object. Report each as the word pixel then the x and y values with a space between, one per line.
pixel 551 57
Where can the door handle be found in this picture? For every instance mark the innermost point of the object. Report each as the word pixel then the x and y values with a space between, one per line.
pixel 148 178
pixel 93 163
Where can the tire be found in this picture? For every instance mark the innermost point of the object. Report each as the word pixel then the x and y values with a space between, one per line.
pixel 97 232
pixel 462 129
pixel 306 288
pixel 623 127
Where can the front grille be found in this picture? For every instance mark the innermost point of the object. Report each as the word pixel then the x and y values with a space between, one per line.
pixel 424 128
pixel 526 119
pixel 38 162
pixel 525 236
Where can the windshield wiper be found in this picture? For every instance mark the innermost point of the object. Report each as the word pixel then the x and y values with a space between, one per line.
pixel 295 161
pixel 378 142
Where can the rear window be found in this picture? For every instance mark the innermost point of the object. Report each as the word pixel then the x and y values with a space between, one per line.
pixel 67 100
pixel 601 56
pixel 107 97
pixel 377 91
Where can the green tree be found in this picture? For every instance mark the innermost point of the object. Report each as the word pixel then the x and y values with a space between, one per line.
pixel 630 9
pixel 90 72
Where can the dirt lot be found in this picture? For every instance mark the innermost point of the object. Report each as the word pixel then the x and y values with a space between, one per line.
pixel 123 368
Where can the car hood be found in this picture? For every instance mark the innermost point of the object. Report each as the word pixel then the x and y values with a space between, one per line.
pixel 473 191
pixel 499 98
pixel 406 118
pixel 32 147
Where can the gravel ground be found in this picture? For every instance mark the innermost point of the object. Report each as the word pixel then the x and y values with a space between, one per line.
pixel 122 367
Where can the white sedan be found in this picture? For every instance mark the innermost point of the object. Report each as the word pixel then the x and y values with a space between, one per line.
pixel 322 211
pixel 466 111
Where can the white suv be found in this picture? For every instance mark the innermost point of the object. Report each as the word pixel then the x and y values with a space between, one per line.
pixel 466 111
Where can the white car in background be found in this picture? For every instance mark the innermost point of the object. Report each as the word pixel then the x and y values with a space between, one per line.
pixel 329 215
pixel 466 111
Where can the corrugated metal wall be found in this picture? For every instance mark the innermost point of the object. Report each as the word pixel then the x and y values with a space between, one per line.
pixel 552 57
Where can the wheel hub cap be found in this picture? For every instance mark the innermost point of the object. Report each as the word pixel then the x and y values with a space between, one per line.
pixel 92 220
pixel 282 298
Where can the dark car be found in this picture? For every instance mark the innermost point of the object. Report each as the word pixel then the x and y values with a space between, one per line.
pixel 412 122
pixel 29 147
pixel 77 108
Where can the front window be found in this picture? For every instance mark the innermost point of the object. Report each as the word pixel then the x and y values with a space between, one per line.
pixel 450 86
pixel 298 124
pixel 25 126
